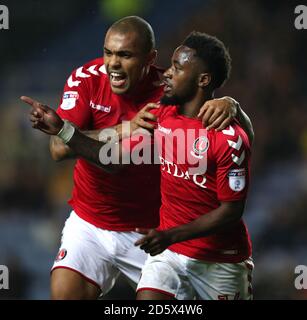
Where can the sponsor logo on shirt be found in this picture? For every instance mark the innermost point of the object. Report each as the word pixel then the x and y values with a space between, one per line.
pixel 174 170
pixel 99 107
pixel 69 100
pixel 236 179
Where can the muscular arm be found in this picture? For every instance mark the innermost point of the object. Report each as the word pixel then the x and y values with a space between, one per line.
pixel 228 213
pixel 60 151
pixel 85 144
pixel 89 149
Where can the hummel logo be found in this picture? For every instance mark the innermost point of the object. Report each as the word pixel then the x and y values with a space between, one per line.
pixel 99 107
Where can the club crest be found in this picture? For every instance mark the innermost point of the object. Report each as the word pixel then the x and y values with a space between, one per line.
pixel 200 147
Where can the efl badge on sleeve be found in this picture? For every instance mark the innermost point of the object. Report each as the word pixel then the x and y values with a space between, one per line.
pixel 69 100
pixel 236 179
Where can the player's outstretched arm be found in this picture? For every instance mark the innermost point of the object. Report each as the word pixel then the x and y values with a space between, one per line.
pixel 218 114
pixel 47 120
pixel 61 151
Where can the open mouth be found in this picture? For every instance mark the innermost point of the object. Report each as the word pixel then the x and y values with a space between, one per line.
pixel 167 87
pixel 118 79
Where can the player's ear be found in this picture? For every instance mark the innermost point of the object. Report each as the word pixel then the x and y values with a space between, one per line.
pixel 204 80
pixel 152 56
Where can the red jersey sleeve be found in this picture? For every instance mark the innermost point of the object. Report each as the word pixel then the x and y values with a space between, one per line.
pixel 232 154
pixel 75 102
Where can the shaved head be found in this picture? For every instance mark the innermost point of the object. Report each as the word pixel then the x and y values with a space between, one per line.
pixel 142 28
pixel 129 51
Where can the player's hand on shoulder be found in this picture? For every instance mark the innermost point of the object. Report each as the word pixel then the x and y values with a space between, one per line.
pixel 218 113
pixel 144 118
pixel 43 117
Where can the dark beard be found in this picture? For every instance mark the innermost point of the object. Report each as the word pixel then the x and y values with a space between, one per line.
pixel 173 100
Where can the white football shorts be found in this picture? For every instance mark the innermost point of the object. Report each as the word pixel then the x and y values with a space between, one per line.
pixel 185 278
pixel 99 255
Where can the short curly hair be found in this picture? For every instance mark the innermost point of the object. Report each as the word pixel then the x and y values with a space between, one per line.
pixel 213 53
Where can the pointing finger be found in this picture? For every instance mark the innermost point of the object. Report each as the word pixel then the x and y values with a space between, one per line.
pixel 35 104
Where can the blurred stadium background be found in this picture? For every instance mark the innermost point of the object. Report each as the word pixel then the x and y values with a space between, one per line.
pixel 47 40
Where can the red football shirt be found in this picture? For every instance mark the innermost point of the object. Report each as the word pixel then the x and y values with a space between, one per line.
pixel 222 174
pixel 131 198
pixel 199 169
